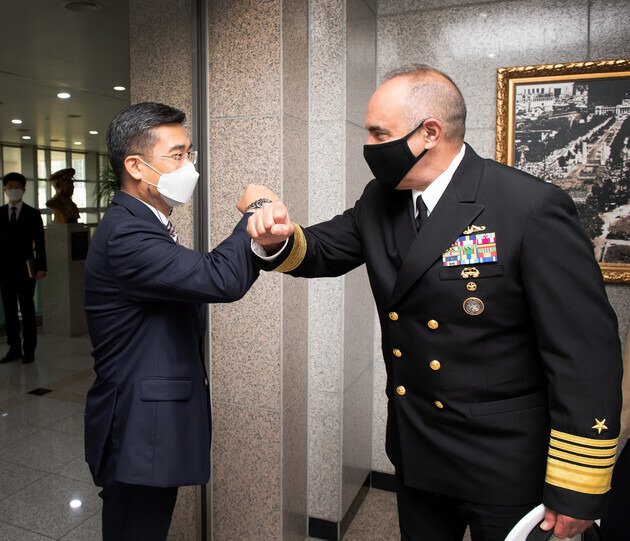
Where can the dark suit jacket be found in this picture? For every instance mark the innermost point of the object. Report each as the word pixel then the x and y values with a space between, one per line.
pixel 16 245
pixel 506 416
pixel 147 418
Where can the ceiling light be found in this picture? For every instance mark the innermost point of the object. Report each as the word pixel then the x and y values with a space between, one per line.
pixel 492 55
pixel 16 121
pixel 75 504
pixel 83 6
pixel 63 95
pixel 119 88
pixel 78 143
pixel 93 132
pixel 26 137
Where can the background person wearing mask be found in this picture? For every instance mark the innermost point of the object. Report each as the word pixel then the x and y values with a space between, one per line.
pixel 502 354
pixel 147 418
pixel 21 229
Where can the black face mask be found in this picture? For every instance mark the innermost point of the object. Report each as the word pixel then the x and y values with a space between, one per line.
pixel 391 161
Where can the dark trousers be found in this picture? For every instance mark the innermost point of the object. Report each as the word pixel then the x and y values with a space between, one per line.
pixel 425 516
pixel 615 522
pixel 137 513
pixel 22 290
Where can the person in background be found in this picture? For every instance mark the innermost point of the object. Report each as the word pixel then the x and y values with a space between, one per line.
pixel 22 263
pixel 502 351
pixel 147 415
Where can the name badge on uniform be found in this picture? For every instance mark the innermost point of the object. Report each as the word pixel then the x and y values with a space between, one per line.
pixel 471 249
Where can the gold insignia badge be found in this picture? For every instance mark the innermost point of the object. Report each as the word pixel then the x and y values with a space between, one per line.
pixel 473 229
pixel 470 272
pixel 473 306
pixel 600 425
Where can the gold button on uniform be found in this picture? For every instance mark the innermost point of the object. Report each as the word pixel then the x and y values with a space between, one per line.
pixel 393 316
pixel 401 390
pixel 471 286
pixel 432 324
pixel 438 404
pixel 397 353
pixel 435 365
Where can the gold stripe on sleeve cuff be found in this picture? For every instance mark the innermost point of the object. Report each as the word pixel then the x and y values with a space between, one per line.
pixel 578 478
pixel 298 252
pixel 580 464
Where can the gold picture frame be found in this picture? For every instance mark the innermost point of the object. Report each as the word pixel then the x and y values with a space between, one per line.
pixel 540 109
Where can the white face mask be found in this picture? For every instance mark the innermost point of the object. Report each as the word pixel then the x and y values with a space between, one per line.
pixel 176 188
pixel 15 195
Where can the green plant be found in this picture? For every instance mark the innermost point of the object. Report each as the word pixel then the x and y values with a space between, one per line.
pixel 106 186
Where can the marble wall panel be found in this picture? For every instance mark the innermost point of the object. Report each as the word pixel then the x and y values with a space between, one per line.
pixel 326 59
pixel 360 59
pixel 294 468
pixel 609 30
pixel 324 455
pixel 246 477
pixel 295 59
pixel 358 318
pixel 245 57
pixel 470 42
pixel 387 7
pixel 357 437
pixel 326 334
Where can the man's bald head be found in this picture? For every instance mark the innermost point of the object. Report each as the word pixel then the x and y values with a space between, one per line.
pixel 432 94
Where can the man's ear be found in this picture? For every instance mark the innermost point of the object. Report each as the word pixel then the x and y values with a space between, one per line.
pixel 132 166
pixel 432 132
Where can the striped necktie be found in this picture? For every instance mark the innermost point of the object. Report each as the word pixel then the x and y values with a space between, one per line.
pixel 172 232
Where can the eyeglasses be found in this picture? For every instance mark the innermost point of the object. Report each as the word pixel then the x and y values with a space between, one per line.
pixel 180 156
pixel 191 156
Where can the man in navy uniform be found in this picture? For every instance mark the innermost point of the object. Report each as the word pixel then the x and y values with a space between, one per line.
pixel 147 417
pixel 21 230
pixel 502 353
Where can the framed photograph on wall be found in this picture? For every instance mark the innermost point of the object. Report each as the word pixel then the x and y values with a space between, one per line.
pixel 570 124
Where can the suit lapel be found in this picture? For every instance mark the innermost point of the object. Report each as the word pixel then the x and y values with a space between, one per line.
pixel 455 211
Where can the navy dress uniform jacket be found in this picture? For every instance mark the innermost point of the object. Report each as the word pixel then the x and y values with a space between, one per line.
pixel 16 245
pixel 503 404
pixel 147 417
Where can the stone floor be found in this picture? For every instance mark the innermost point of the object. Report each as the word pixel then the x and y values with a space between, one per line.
pixel 46 491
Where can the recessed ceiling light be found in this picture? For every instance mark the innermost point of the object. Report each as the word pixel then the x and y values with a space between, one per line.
pixel 75 504
pixel 83 6
pixel 16 121
pixel 26 137
pixel 119 88
pixel 492 55
pixel 78 143
pixel 93 132
pixel 63 95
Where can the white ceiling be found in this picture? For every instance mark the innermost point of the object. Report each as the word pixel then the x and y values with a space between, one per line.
pixel 45 49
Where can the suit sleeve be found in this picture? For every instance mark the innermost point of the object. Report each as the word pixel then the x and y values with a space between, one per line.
pixel 576 331
pixel 327 249
pixel 40 244
pixel 148 266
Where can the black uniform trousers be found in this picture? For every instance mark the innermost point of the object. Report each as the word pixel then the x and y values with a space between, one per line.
pixel 425 516
pixel 19 289
pixel 615 522
pixel 136 512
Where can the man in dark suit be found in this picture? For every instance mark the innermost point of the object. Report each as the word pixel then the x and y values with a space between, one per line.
pixel 147 418
pixel 502 354
pixel 21 229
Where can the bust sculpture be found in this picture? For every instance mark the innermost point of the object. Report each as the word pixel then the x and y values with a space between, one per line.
pixel 64 209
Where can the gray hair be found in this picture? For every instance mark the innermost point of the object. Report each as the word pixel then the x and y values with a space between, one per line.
pixel 433 94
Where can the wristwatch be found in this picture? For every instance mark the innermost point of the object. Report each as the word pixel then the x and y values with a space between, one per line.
pixel 258 204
